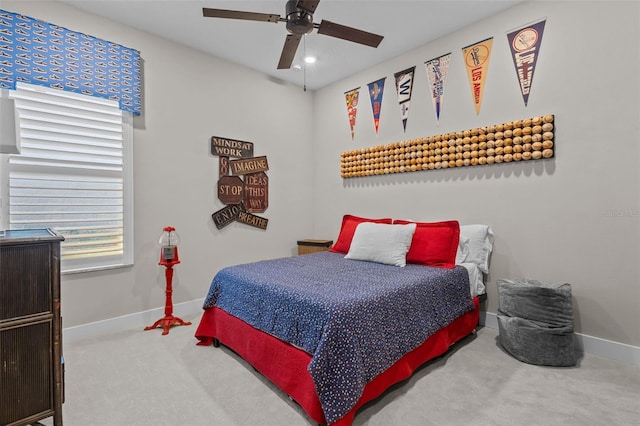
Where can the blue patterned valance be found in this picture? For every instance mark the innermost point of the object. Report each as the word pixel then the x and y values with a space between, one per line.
pixel 37 52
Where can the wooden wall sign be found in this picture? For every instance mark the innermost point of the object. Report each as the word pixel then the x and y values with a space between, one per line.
pixel 256 192
pixel 230 189
pixel 519 140
pixel 223 166
pixel 249 165
pixel 252 220
pixel 231 147
pixel 242 196
pixel 226 215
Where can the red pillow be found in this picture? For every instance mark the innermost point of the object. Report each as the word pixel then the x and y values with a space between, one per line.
pixel 349 224
pixel 434 244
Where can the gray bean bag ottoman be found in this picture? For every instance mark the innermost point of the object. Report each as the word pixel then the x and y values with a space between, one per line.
pixel 535 322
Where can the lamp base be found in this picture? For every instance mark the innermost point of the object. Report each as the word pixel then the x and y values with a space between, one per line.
pixel 166 322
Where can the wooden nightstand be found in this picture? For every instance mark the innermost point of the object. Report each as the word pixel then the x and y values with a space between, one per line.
pixel 313 246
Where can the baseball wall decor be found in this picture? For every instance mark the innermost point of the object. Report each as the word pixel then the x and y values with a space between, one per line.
pixel 519 140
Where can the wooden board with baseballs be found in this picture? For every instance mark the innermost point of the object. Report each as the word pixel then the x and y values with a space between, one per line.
pixel 520 140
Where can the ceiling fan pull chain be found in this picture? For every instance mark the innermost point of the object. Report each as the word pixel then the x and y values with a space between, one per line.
pixel 304 62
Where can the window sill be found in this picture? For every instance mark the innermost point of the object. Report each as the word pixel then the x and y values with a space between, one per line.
pixel 95 269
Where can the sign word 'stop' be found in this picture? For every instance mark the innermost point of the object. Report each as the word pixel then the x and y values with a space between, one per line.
pixel 230 189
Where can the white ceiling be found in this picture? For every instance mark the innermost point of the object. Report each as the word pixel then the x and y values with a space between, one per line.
pixel 405 25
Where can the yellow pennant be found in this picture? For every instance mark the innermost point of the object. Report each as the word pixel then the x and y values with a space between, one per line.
pixel 476 59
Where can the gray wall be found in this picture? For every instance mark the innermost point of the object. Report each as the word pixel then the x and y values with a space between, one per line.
pixel 574 218
pixel 189 97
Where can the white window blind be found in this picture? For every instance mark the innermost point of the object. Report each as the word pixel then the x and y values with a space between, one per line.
pixel 73 174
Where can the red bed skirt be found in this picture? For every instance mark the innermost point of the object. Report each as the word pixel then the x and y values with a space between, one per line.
pixel 286 366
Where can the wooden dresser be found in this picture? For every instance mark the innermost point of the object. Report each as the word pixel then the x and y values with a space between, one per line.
pixel 31 363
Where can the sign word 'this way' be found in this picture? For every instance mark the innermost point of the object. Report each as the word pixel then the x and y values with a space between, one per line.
pixel 256 192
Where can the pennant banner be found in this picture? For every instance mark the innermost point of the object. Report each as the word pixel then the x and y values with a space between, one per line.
pixel 525 47
pixel 376 90
pixel 437 70
pixel 352 108
pixel 476 59
pixel 404 86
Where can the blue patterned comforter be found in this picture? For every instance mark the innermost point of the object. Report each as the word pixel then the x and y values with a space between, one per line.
pixel 354 318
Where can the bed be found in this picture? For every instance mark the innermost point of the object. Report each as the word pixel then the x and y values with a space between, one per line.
pixel 335 329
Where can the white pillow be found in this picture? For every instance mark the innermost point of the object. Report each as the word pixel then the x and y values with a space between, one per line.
pixel 480 245
pixel 476 283
pixel 463 250
pixel 381 243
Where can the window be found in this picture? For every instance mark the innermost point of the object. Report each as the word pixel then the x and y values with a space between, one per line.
pixel 73 174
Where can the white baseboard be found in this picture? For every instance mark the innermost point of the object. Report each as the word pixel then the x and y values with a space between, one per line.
pixel 604 348
pixel 620 352
pixel 136 320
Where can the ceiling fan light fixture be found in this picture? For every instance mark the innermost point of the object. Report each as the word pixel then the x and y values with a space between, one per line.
pixel 299 21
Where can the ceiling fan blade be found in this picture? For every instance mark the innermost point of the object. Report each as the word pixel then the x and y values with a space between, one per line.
pixel 350 34
pixel 234 14
pixel 308 5
pixel 289 50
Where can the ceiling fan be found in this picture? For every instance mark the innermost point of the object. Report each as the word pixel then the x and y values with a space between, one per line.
pixel 299 19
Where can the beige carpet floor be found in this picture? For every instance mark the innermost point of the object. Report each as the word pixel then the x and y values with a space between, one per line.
pixel 139 378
